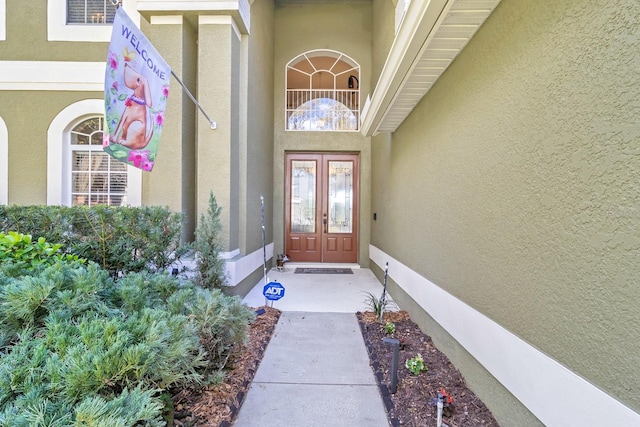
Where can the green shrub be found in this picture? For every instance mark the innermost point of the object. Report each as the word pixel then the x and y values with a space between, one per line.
pixel 79 348
pixel 19 252
pixel 121 239
pixel 211 268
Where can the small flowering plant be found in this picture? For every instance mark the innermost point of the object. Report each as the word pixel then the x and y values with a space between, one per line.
pixel 415 364
pixel 447 402
pixel 389 328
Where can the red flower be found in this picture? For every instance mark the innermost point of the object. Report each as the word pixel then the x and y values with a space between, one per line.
pixel 128 102
pixel 447 399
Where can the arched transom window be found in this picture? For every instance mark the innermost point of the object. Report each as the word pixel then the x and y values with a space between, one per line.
pixel 323 92
pixel 96 178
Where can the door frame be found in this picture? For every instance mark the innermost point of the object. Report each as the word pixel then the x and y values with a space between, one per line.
pixel 321 236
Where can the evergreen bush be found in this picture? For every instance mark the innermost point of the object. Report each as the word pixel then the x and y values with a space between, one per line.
pixel 211 268
pixel 80 348
pixel 121 239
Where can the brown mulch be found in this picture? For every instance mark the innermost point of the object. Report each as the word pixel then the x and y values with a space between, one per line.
pixel 412 405
pixel 218 406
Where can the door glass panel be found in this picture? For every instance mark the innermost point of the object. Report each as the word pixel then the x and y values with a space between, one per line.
pixel 340 197
pixel 303 196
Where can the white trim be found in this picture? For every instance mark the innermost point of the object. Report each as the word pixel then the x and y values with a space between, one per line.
pixel 52 75
pixel 3 20
pixel 56 149
pixel 239 9
pixel 219 20
pixel 530 375
pixel 4 163
pixel 58 30
pixel 240 269
pixel 166 20
pixel 230 254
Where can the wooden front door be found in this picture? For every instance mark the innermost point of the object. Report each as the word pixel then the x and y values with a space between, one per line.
pixel 321 207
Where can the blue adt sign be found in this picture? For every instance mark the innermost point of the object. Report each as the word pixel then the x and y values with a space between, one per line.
pixel 273 291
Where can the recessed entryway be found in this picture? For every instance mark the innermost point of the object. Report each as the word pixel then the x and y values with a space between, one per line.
pixel 321 207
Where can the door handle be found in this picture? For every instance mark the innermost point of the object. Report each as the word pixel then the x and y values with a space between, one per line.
pixel 324 222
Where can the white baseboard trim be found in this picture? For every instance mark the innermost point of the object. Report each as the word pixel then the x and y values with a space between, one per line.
pixel 240 269
pixel 530 375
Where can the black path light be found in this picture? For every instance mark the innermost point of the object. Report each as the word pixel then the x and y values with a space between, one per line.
pixel 395 345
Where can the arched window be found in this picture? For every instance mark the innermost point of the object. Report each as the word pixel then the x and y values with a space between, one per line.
pixel 96 178
pixel 323 92
pixel 78 171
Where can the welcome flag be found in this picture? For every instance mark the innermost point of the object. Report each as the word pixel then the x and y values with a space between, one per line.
pixel 136 87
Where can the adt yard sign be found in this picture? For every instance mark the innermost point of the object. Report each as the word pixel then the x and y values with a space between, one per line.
pixel 273 291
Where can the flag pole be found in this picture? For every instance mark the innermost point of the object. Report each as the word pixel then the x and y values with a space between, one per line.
pixel 117 4
pixel 184 87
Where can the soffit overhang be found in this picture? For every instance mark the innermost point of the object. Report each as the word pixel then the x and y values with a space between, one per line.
pixel 430 37
pixel 239 10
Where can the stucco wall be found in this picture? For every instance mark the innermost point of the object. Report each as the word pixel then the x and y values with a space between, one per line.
pixel 26 29
pixel 217 79
pixel 258 150
pixel 28 115
pixel 344 26
pixel 514 183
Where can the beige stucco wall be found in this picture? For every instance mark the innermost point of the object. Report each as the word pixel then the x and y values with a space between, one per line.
pixel 28 115
pixel 344 26
pixel 26 28
pixel 257 149
pixel 218 68
pixel 514 183
pixel 382 35
pixel 172 182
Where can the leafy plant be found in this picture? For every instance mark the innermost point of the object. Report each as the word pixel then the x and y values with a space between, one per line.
pixel 121 239
pixel 208 244
pixel 389 328
pixel 377 305
pixel 415 364
pixel 19 251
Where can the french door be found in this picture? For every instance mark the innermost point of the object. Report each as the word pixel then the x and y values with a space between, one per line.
pixel 321 207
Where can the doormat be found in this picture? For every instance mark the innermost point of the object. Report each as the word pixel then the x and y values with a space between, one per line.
pixel 301 270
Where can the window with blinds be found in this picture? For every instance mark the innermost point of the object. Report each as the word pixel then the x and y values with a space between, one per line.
pixel 96 178
pixel 90 12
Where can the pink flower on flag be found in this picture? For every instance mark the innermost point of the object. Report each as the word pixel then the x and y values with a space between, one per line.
pixel 105 139
pixel 112 59
pixel 115 85
pixel 138 157
pixel 160 118
pixel 165 91
pixel 148 165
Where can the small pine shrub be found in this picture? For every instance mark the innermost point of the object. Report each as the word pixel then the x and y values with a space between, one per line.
pixel 211 268
pixel 79 348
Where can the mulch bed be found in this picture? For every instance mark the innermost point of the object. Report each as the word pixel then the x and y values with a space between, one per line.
pixel 218 406
pixel 414 403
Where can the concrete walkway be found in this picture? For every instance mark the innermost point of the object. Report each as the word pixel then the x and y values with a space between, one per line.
pixel 315 371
